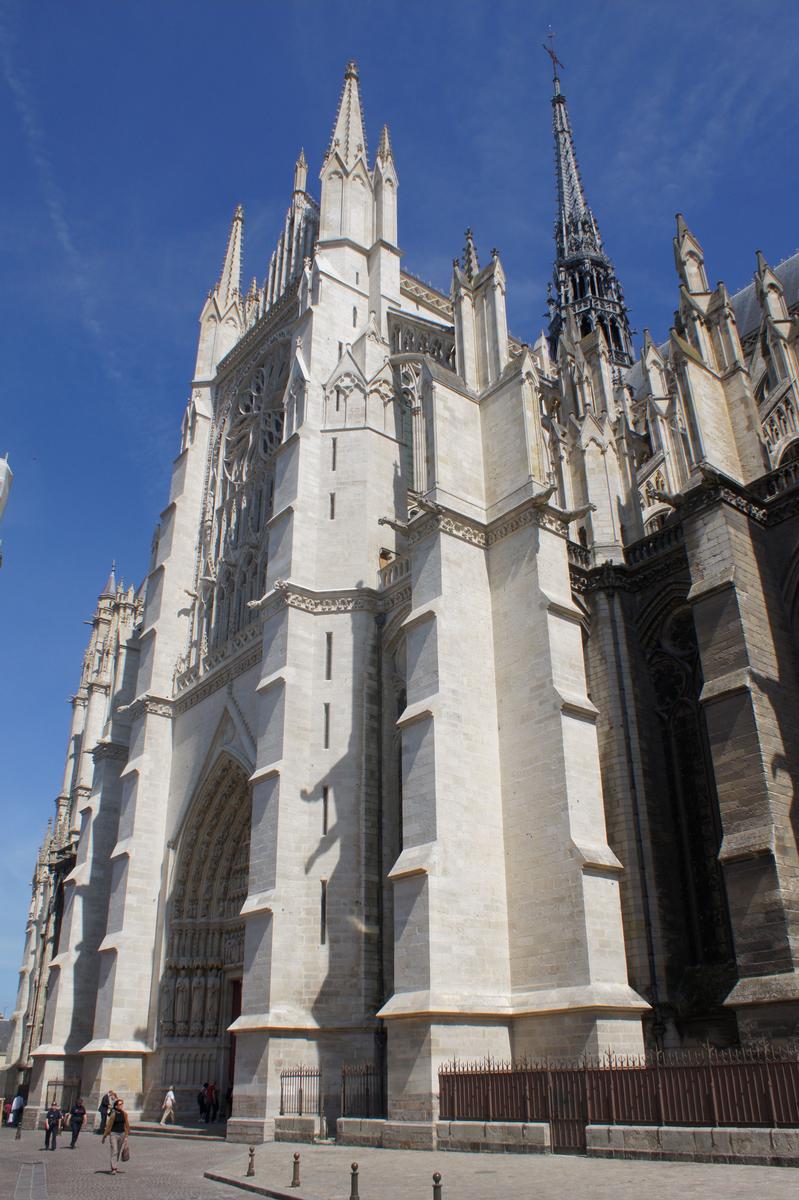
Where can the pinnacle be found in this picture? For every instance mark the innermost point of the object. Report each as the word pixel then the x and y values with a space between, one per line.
pixel 301 171
pixel 384 151
pixel 111 583
pixel 230 279
pixel 762 265
pixel 471 264
pixel 349 139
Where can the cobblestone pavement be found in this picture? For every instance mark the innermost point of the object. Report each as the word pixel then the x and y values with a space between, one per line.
pixel 167 1169
pixel 159 1169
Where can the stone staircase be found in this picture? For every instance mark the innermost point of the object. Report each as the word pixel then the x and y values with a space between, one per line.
pixel 196 1131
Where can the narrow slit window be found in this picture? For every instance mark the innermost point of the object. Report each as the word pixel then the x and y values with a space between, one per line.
pixel 354 316
pixel 323 912
pixel 338 399
pixel 332 506
pixel 325 808
pixel 340 349
pixel 333 452
pixel 328 656
pixel 326 722
pixel 357 277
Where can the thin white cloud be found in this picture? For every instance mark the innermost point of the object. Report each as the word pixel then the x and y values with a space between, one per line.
pixel 14 77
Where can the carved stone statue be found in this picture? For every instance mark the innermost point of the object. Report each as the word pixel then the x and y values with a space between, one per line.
pixel 168 1005
pixel 212 1004
pixel 197 1005
pixel 182 1005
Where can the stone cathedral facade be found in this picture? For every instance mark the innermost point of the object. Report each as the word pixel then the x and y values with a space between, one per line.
pixel 458 713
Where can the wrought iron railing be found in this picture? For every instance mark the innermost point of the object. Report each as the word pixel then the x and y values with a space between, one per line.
pixel 757 1086
pixel 301 1091
pixel 362 1091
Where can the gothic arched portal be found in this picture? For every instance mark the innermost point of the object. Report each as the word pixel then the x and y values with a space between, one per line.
pixel 201 985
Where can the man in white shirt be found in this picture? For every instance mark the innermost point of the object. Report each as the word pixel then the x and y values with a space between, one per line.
pixel 169 1106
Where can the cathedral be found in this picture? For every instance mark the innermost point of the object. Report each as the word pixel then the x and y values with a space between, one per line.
pixel 458 713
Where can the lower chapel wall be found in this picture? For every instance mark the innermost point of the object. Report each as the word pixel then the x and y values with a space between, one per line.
pixel 765 1147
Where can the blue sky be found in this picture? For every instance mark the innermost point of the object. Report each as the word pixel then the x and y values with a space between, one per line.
pixel 131 129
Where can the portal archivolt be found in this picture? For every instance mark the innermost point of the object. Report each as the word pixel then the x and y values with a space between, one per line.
pixel 205 939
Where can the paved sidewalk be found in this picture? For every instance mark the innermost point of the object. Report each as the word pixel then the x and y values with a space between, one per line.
pixel 408 1175
pixel 163 1168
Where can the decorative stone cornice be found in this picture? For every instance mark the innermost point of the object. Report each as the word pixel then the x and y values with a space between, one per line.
pixel 535 510
pixel 196 689
pixel 346 600
pixel 159 706
pixel 110 750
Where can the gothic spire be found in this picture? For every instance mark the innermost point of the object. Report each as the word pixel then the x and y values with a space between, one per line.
pixel 230 279
pixel 585 281
pixel 349 139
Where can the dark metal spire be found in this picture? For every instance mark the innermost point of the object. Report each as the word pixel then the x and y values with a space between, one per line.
pixel 584 278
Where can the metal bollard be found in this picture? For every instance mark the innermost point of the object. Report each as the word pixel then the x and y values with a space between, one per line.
pixel 436 1186
pixel 354 1193
pixel 295 1172
pixel 251 1163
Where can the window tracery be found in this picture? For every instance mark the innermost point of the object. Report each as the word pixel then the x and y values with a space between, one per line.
pixel 239 499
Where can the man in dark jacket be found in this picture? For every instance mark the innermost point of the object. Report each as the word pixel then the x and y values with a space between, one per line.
pixel 52 1125
pixel 77 1116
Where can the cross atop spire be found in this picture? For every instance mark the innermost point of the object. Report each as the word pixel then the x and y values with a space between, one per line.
pixel 349 139
pixel 230 279
pixel 550 50
pixel 584 278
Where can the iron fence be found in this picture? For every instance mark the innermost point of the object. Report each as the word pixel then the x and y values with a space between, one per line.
pixel 301 1091
pixel 363 1092
pixel 756 1086
pixel 63 1092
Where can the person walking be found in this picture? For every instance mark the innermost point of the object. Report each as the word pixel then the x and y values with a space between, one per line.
pixel 117 1129
pixel 202 1100
pixel 77 1119
pixel 54 1119
pixel 7 1112
pixel 17 1108
pixel 169 1106
pixel 211 1103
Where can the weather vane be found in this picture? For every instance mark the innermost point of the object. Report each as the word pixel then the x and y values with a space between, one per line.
pixel 550 50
